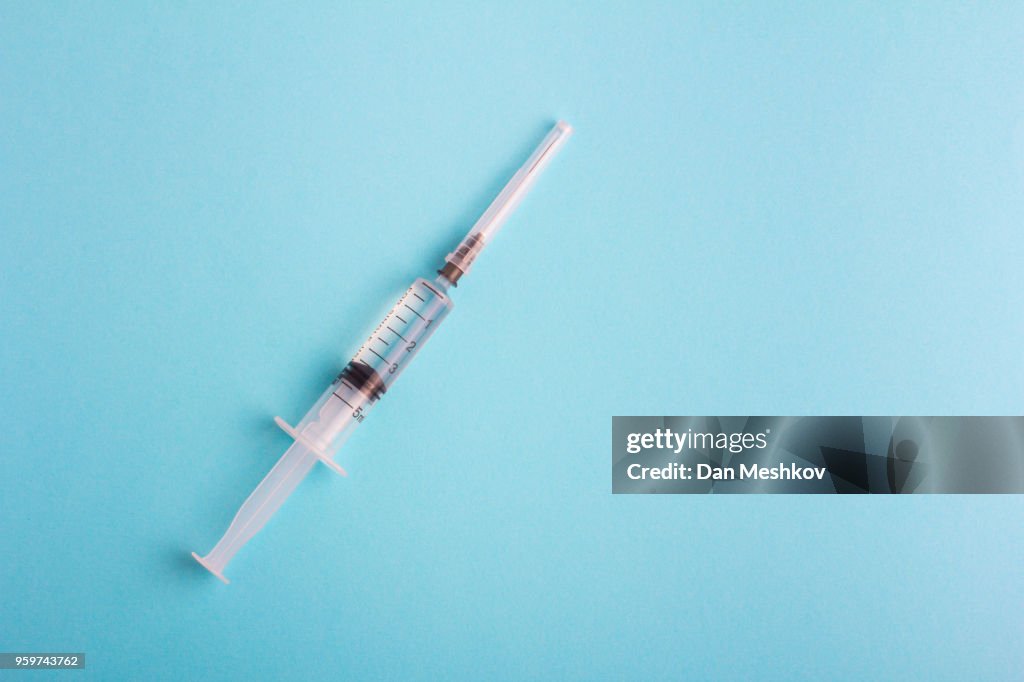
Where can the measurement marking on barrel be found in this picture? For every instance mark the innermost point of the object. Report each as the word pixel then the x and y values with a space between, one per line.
pixel 414 312
pixel 396 334
pixel 378 355
pixel 419 297
pixel 400 317
pixel 344 401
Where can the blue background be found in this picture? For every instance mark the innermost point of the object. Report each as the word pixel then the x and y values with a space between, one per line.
pixel 766 209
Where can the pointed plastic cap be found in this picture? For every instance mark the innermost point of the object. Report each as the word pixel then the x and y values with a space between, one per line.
pixel 502 207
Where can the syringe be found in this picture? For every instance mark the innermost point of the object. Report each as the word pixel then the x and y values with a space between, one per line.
pixel 375 367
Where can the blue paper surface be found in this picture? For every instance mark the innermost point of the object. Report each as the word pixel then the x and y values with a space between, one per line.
pixel 800 208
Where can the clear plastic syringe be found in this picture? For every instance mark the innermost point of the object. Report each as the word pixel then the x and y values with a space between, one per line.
pixel 375 367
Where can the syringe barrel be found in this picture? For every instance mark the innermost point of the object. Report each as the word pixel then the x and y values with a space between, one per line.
pixel 376 365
